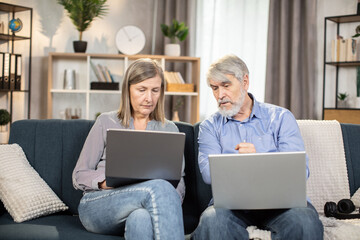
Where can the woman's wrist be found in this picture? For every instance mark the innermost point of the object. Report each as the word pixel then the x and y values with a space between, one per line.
pixel 100 184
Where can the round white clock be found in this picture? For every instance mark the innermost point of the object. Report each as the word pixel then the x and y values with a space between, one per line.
pixel 130 40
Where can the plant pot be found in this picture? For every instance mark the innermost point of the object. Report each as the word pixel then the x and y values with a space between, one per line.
pixel 357 103
pixel 172 49
pixel 175 116
pixel 342 104
pixel 79 46
pixel 4 137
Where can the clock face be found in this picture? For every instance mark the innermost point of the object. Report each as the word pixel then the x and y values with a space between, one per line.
pixel 130 40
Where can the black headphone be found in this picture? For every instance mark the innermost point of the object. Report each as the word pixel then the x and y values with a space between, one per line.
pixel 342 210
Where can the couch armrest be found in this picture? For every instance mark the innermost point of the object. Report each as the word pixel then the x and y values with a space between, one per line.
pixel 351 133
pixel 2 208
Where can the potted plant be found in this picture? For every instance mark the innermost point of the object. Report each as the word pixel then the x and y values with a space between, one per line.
pixel 82 13
pixel 179 102
pixel 4 120
pixel 174 31
pixel 342 99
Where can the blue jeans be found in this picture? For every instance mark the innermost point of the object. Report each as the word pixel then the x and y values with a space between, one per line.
pixel 294 223
pixel 147 210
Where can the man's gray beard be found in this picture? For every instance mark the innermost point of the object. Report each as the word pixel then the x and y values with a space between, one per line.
pixel 235 108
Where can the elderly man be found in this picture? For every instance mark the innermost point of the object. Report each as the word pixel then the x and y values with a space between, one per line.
pixel 244 125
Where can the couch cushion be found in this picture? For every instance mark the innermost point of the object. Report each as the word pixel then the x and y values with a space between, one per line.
pixel 204 190
pixel 50 228
pixel 351 137
pixel 52 148
pixel 190 210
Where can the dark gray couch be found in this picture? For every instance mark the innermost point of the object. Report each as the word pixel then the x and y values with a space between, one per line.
pixel 53 146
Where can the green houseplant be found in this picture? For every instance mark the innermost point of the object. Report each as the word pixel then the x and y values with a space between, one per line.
pixel 4 120
pixel 179 102
pixel 174 31
pixel 82 13
pixel 342 97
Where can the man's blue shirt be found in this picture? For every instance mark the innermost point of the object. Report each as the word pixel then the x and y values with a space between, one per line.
pixel 270 128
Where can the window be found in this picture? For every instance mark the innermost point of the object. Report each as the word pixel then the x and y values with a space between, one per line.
pixel 231 27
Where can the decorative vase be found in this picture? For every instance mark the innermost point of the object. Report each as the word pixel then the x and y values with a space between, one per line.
pixel 69 79
pixel 357 103
pixel 172 49
pixel 175 116
pixel 79 46
pixel 342 104
pixel 4 137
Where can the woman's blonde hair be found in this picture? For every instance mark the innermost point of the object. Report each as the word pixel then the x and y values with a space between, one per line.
pixel 141 70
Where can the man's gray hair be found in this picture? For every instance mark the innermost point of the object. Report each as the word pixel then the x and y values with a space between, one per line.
pixel 229 64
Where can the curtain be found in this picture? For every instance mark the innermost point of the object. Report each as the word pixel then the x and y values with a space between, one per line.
pixel 231 27
pixel 291 71
pixel 183 11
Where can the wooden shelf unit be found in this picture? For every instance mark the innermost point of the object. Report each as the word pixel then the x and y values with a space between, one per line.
pixel 10 39
pixel 83 95
pixel 343 115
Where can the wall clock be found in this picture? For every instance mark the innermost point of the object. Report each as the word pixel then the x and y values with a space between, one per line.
pixel 130 40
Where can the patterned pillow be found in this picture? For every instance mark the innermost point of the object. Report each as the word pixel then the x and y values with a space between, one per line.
pixel 24 193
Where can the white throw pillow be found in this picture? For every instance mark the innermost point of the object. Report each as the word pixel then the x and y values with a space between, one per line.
pixel 24 193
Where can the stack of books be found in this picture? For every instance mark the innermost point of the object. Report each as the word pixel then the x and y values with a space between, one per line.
pixel 176 83
pixel 345 50
pixel 105 80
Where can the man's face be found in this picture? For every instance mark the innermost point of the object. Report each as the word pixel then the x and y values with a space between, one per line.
pixel 230 94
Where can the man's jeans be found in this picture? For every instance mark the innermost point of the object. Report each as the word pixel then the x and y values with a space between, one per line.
pixel 148 210
pixel 294 223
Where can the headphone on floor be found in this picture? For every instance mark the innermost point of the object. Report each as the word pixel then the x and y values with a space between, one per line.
pixel 341 210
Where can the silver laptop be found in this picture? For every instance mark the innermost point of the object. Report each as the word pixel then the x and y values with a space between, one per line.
pixel 133 156
pixel 259 180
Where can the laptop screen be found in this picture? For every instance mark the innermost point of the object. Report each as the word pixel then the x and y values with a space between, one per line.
pixel 134 156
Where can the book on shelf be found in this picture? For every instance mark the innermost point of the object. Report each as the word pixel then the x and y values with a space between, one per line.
pixel 350 50
pixel 108 74
pixel 95 70
pixel 357 50
pixel 179 77
pixel 10 71
pixel 18 70
pixel 345 50
pixel 342 50
pixel 173 77
pixel 176 83
pixel 102 73
pixel 335 46
pixel 2 56
pixel 6 71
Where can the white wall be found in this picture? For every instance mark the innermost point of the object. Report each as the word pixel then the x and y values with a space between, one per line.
pixel 53 31
pixel 327 8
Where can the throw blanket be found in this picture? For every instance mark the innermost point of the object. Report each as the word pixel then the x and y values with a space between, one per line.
pixel 328 179
pixel 324 146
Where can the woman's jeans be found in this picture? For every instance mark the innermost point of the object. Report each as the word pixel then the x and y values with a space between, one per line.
pixel 294 223
pixel 147 210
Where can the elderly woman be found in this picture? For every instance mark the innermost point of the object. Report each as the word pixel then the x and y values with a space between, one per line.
pixel 146 210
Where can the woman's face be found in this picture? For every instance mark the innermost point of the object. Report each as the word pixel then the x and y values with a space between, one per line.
pixel 144 96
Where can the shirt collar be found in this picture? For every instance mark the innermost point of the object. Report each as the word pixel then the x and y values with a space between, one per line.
pixel 255 112
pixel 149 125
